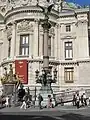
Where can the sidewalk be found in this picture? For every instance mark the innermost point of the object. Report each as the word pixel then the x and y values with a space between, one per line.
pixel 36 109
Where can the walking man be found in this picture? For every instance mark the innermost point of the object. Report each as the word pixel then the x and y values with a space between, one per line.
pixel 74 100
pixel 40 99
pixel 85 99
pixel 78 100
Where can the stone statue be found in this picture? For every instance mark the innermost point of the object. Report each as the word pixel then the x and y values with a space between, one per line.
pixel 59 4
pixel 46 10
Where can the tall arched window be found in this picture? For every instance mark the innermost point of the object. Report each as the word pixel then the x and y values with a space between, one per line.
pixel 24 45
pixel 9 47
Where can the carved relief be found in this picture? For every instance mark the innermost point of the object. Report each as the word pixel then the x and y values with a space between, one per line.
pixel 9 31
pixel 24 26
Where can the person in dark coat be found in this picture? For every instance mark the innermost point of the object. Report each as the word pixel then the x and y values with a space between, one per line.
pixel 82 101
pixel 21 94
pixel 40 99
pixel 74 100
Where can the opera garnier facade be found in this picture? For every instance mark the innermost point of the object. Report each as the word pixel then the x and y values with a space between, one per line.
pixel 21 42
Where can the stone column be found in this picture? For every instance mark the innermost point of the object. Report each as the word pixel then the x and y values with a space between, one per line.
pixel 31 45
pixel 36 39
pixel 5 44
pixel 13 41
pixel 52 46
pixel 46 26
pixel 56 41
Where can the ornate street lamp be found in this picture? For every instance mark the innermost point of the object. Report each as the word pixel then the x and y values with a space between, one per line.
pixel 45 78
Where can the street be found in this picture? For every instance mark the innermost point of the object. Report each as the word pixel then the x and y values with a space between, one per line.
pixel 58 113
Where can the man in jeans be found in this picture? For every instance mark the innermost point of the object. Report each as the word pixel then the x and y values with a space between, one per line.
pixel 40 99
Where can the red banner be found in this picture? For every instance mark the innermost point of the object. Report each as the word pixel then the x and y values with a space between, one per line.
pixel 21 69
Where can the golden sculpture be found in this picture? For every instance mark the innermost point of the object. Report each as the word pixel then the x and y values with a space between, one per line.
pixel 9 78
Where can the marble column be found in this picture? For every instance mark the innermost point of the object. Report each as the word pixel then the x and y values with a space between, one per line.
pixel 36 39
pixel 46 26
pixel 31 45
pixel 13 41
pixel 52 46
pixel 56 41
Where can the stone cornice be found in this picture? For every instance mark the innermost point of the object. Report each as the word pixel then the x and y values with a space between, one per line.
pixel 51 62
pixel 29 10
pixel 71 14
pixel 74 62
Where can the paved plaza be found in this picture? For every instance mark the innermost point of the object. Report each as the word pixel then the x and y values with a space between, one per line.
pixel 57 113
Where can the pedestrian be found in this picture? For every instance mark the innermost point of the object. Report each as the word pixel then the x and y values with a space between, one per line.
pixel 7 101
pixel 49 101
pixel 82 101
pixel 24 105
pixel 89 100
pixel 85 99
pixel 77 101
pixel 21 93
pixel 74 100
pixel 40 99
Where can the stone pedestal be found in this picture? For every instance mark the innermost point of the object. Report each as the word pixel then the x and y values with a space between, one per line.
pixel 8 89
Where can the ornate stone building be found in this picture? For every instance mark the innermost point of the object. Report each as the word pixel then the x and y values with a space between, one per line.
pixel 21 38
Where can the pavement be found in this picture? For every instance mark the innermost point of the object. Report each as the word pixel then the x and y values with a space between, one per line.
pixel 67 112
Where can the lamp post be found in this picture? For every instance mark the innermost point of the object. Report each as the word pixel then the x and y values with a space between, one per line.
pixel 46 77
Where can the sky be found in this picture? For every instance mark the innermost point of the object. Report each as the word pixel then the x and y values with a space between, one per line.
pixel 80 2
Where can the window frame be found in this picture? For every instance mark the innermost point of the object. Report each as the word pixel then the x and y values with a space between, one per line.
pixel 68 28
pixel 68 50
pixel 69 73
pixel 24 45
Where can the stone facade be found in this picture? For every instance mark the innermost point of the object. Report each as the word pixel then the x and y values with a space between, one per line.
pixel 24 17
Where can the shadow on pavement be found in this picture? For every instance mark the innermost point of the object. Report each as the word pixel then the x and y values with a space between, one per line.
pixel 72 116
pixel 24 117
pixel 69 116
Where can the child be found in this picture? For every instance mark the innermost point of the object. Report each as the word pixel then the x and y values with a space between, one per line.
pixel 7 101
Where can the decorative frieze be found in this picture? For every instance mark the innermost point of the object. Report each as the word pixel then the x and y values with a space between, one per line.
pixel 25 26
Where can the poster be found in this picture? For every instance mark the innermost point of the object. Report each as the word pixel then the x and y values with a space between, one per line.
pixel 21 69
